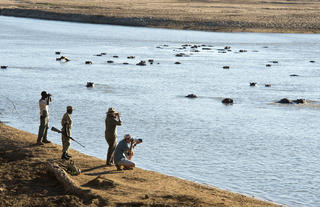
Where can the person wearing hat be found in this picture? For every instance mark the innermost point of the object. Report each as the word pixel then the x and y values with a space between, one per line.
pixel 123 150
pixel 112 121
pixel 44 118
pixel 66 123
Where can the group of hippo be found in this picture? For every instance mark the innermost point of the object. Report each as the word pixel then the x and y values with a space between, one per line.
pixel 89 62
pixel 194 48
pixel 228 101
pixel 288 101
pixel 224 101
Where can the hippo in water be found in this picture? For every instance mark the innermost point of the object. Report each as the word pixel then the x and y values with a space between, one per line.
pixel 90 84
pixel 191 96
pixel 181 55
pixel 227 101
pixel 142 63
pixel 299 101
pixel 287 101
pixel 63 58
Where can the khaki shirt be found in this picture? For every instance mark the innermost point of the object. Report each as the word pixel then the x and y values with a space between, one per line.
pixel 66 123
pixel 111 127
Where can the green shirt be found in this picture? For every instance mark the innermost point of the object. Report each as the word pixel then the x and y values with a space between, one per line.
pixel 66 123
pixel 111 127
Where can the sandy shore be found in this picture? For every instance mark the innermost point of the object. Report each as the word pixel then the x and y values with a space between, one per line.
pixel 284 16
pixel 25 181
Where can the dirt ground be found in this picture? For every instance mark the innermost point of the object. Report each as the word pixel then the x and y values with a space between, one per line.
pixel 292 16
pixel 25 181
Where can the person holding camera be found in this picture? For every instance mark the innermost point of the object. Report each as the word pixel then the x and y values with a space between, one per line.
pixel 44 118
pixel 112 121
pixel 124 152
pixel 66 123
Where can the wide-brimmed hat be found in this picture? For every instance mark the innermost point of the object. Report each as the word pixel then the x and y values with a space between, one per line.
pixel 43 93
pixel 111 110
pixel 127 136
pixel 69 107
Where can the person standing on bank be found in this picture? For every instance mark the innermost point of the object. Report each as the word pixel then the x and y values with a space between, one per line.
pixel 112 121
pixel 44 118
pixel 66 123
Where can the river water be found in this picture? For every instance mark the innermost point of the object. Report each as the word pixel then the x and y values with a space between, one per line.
pixel 254 147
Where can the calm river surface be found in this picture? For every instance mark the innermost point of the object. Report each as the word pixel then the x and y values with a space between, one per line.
pixel 254 146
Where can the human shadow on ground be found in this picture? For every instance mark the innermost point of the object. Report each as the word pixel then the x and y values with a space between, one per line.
pixel 94 168
pixel 104 173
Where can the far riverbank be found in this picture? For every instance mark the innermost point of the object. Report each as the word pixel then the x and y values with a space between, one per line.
pixel 227 16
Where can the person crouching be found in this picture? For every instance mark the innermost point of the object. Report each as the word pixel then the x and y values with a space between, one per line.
pixel 123 153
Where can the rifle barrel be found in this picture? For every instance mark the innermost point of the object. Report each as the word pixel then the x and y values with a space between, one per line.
pixel 60 132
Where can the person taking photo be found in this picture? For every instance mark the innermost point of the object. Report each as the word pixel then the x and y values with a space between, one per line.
pixel 44 118
pixel 112 121
pixel 124 152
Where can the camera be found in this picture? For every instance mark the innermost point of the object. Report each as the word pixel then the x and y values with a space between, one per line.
pixel 137 141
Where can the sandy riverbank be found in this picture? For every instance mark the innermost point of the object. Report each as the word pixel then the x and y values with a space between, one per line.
pixel 26 182
pixel 285 16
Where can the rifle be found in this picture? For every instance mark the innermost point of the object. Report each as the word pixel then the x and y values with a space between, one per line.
pixel 60 132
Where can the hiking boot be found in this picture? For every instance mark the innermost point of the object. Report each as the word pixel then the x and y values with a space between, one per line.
pixel 46 141
pixel 67 155
pixel 64 157
pixel 109 164
pixel 40 143
pixel 118 167
pixel 128 168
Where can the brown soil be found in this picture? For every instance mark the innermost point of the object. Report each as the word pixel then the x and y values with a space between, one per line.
pixel 294 16
pixel 26 182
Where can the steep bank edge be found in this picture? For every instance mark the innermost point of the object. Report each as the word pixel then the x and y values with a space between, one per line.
pixel 26 182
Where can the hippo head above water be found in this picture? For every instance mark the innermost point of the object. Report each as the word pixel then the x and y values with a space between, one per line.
pixel 90 84
pixel 227 101
pixel 285 101
pixel 191 96
pixel 299 101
